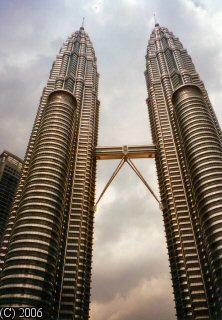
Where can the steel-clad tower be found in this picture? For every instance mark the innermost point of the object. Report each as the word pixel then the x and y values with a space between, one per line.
pixel 47 248
pixel 189 166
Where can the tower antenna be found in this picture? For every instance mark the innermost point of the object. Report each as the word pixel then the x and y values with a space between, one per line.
pixel 83 21
pixel 155 20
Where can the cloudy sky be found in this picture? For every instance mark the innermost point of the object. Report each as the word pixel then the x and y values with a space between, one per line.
pixel 131 279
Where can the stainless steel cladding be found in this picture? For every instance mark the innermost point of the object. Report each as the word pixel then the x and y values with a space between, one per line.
pixel 47 248
pixel 203 152
pixel 32 258
pixel 168 66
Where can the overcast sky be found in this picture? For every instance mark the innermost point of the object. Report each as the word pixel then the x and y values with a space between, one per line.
pixel 131 279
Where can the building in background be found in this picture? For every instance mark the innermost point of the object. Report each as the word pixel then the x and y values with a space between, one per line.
pixel 47 249
pixel 189 165
pixel 10 170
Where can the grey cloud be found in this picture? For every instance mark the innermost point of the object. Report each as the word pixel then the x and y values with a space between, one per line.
pixel 129 241
pixel 116 275
pixel 20 89
pixel 148 301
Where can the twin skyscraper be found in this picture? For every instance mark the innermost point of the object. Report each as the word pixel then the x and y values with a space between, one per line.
pixel 46 252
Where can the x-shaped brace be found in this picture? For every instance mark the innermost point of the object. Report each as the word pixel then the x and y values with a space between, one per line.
pixel 125 159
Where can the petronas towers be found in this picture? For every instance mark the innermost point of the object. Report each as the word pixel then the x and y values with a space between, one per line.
pixel 189 164
pixel 46 252
pixel 47 248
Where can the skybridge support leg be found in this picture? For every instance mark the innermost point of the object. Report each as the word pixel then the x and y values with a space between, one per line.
pixel 127 159
pixel 118 168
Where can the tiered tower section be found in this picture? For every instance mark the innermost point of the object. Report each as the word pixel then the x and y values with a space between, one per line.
pixel 192 224
pixel 47 248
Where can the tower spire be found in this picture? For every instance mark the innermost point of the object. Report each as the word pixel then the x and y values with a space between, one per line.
pixel 83 21
pixel 155 20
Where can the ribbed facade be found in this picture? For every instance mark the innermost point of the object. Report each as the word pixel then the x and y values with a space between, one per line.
pixel 189 152
pixel 10 171
pixel 47 249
